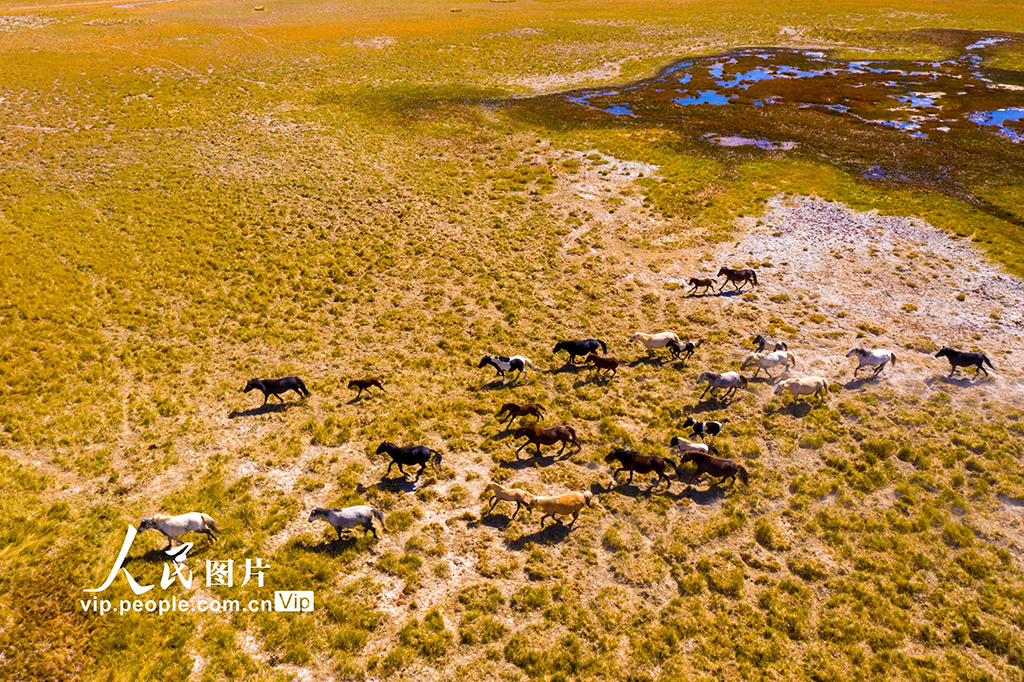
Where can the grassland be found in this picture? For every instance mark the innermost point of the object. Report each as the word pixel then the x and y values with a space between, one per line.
pixel 192 194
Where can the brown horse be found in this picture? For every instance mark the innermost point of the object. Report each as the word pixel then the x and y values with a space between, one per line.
pixel 516 410
pixel 604 363
pixel 741 276
pixel 546 436
pixel 706 283
pixel 713 466
pixel 634 462
pixel 366 384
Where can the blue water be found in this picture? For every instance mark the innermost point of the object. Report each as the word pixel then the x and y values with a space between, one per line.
pixel 918 98
pixel 1000 118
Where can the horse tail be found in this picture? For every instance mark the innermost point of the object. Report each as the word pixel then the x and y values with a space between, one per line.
pixel 674 466
pixel 435 459
pixel 528 362
pixel 210 523
pixel 792 358
pixel 302 386
pixel 743 475
pixel 380 516
pixel 892 358
pixel 985 360
pixel 604 346
pixel 753 275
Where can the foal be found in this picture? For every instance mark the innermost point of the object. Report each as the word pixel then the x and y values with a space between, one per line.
pixel 516 410
pixel 706 283
pixel 366 384
pixel 604 364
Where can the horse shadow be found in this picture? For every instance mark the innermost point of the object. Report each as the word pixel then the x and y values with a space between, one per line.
pixel 632 490
pixel 496 385
pixel 519 464
pixel 653 360
pixel 595 379
pixel 798 409
pixel 336 546
pixel 497 520
pixel 553 532
pixel 711 405
pixel 711 495
pixel 965 382
pixel 269 408
pixel 681 364
pixel 398 484
pixel 567 368
pixel 856 384
pixel 730 293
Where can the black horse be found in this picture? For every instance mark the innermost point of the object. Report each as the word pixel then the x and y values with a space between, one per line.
pixel 705 428
pixel 275 387
pixel 633 462
pixel 688 348
pixel 761 342
pixel 409 455
pixel 581 347
pixel 959 358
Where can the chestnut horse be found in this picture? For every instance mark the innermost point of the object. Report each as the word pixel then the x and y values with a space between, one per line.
pixel 741 276
pixel 366 384
pixel 714 466
pixel 516 410
pixel 546 436
pixel 604 363
pixel 706 283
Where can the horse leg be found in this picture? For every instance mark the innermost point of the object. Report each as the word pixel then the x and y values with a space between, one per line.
pixel 388 472
pixel 575 515
pixel 338 531
pixel 705 392
pixel 265 396
pixel 518 506
pixel 278 396
pixel 494 502
pixel 422 468
pixel 542 519
pixel 525 443
pixel 880 368
pixel 372 529
pixel 402 470
pixel 564 443
pixel 630 481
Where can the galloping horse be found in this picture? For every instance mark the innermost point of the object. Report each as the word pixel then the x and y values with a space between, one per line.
pixel 766 360
pixel 959 358
pixel 652 341
pixel 762 343
pixel 714 466
pixel 516 410
pixel 520 497
pixel 634 462
pixel 677 348
pixel 604 364
pixel 366 384
pixel 706 283
pixel 275 387
pixel 516 363
pixel 728 380
pixel 742 276
pixel 409 455
pixel 349 517
pixel 680 445
pixel 807 386
pixel 569 503
pixel 704 428
pixel 877 358
pixel 546 436
pixel 581 347
pixel 176 526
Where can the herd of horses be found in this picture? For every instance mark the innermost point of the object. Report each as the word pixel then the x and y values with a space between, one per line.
pixel 768 354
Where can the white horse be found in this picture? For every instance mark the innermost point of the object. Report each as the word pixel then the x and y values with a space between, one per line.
pixel 652 341
pixel 520 497
pixel 176 526
pixel 728 380
pixel 569 503
pixel 876 358
pixel 807 386
pixel 349 517
pixel 767 360
pixel 517 363
pixel 680 445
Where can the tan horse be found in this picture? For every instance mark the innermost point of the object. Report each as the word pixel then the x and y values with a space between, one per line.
pixel 520 497
pixel 652 341
pixel 569 503
pixel 815 386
